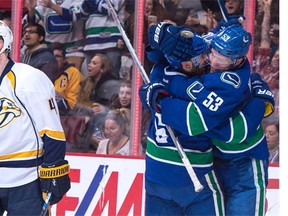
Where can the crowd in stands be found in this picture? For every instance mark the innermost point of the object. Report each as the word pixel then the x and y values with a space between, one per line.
pixel 79 47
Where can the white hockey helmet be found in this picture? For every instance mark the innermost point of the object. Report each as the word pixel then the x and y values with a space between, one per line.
pixel 7 37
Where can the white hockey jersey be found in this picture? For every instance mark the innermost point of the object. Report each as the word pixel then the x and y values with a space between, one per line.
pixel 29 121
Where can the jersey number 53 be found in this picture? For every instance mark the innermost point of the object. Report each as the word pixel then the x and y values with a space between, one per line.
pixel 213 101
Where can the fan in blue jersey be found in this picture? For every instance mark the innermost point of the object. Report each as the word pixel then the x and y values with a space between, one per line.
pixel 33 143
pixel 216 99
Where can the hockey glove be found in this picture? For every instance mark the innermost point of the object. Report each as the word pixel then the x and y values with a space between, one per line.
pixel 54 178
pixel 261 90
pixel 150 94
pixel 169 40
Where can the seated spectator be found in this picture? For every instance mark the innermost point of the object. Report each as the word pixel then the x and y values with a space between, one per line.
pixel 99 71
pixel 123 98
pixel 116 129
pixel 67 84
pixel 89 102
pixel 36 53
pixel 272 134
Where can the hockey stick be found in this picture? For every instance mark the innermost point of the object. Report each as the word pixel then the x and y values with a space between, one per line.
pixel 223 10
pixel 46 204
pixel 197 185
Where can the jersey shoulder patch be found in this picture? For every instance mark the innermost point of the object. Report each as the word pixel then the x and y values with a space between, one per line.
pixel 231 78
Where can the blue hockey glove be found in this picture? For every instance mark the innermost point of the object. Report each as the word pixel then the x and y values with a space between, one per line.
pixel 150 94
pixel 261 90
pixel 54 178
pixel 169 40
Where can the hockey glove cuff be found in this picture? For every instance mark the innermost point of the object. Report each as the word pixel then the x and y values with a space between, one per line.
pixel 150 94
pixel 261 90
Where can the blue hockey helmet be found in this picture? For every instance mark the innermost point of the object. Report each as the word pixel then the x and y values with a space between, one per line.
pixel 233 42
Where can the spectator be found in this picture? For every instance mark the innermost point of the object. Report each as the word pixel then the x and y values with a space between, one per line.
pixel 123 98
pixel 90 103
pixel 99 71
pixel 234 7
pixel 116 129
pixel 272 134
pixel 36 53
pixel 102 32
pixel 62 22
pixel 67 84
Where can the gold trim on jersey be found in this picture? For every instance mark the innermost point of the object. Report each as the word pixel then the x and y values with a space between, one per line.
pixel 58 135
pixel 12 79
pixel 25 154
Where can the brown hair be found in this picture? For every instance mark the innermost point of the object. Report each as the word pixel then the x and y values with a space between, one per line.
pixel 88 84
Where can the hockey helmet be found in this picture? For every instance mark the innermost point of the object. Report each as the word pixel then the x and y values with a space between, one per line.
pixel 232 42
pixel 7 37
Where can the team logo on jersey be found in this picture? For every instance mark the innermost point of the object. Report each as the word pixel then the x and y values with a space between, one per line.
pixel 8 111
pixel 231 79
pixel 194 89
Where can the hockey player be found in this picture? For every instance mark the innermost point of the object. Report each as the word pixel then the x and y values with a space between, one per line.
pixel 242 154
pixel 169 189
pixel 32 140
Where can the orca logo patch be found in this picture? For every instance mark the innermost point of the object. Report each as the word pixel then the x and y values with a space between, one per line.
pixel 194 89
pixel 231 79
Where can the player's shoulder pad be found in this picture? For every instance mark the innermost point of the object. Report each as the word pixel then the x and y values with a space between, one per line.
pixel 231 78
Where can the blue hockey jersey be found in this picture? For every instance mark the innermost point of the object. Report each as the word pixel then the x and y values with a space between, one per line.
pixel 163 163
pixel 211 105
